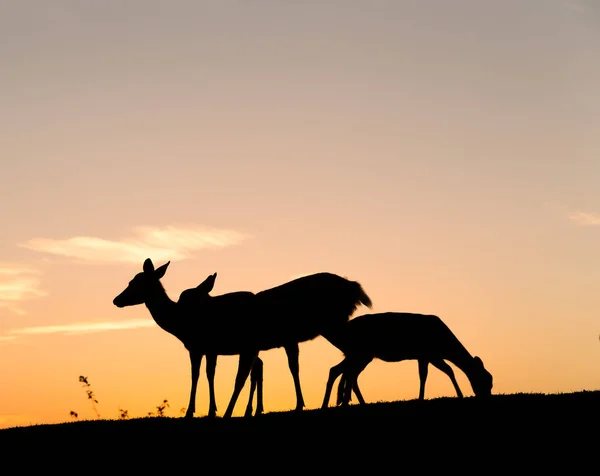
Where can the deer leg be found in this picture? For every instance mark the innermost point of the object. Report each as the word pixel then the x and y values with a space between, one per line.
pixel 292 352
pixel 195 360
pixel 361 400
pixel 244 366
pixel 423 369
pixel 444 367
pixel 358 365
pixel 211 364
pixel 342 388
pixel 345 385
pixel 334 372
pixel 348 378
pixel 248 411
pixel 253 385
pixel 258 368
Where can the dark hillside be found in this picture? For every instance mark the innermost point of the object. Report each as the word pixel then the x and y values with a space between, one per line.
pixel 507 428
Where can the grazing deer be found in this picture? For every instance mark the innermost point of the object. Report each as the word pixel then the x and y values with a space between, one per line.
pixel 245 323
pixel 395 336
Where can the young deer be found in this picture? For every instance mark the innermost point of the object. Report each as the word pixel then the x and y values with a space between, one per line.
pixel 395 336
pixel 244 323
pixel 198 296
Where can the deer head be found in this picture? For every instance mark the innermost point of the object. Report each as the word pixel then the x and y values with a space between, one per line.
pixel 481 381
pixel 199 294
pixel 142 285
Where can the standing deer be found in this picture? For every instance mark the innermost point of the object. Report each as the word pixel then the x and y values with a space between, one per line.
pixel 244 323
pixel 395 336
pixel 198 296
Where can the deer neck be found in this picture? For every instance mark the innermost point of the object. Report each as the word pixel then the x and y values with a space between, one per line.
pixel 163 310
pixel 463 360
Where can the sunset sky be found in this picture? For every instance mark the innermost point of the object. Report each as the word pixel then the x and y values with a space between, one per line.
pixel 445 154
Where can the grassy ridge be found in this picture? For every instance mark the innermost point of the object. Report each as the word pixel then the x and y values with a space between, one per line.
pixel 553 413
pixel 511 434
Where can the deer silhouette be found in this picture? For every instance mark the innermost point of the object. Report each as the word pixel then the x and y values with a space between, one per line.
pixel 395 336
pixel 198 296
pixel 244 323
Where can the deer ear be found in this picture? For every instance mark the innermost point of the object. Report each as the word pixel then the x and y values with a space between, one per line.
pixel 161 270
pixel 207 285
pixel 148 266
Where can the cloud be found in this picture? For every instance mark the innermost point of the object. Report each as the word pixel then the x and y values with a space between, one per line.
pixel 160 244
pixel 18 284
pixel 78 328
pixel 585 218
pixel 82 328
pixel 6 270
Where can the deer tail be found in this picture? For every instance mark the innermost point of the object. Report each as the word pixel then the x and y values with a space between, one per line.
pixel 355 295
pixel 363 298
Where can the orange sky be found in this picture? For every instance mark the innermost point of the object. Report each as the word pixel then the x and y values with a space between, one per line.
pixel 444 154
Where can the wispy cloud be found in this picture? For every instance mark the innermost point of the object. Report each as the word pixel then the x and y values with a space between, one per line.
pixel 18 284
pixel 78 328
pixel 82 327
pixel 8 270
pixel 161 244
pixel 585 218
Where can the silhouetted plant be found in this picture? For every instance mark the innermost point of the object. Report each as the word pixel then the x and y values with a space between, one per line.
pixel 160 409
pixel 123 414
pixel 90 393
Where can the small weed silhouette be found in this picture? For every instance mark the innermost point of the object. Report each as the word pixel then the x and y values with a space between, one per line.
pixel 160 409
pixel 90 394
pixel 123 414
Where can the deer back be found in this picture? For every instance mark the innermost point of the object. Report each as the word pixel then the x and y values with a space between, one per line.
pixel 306 307
pixel 396 336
